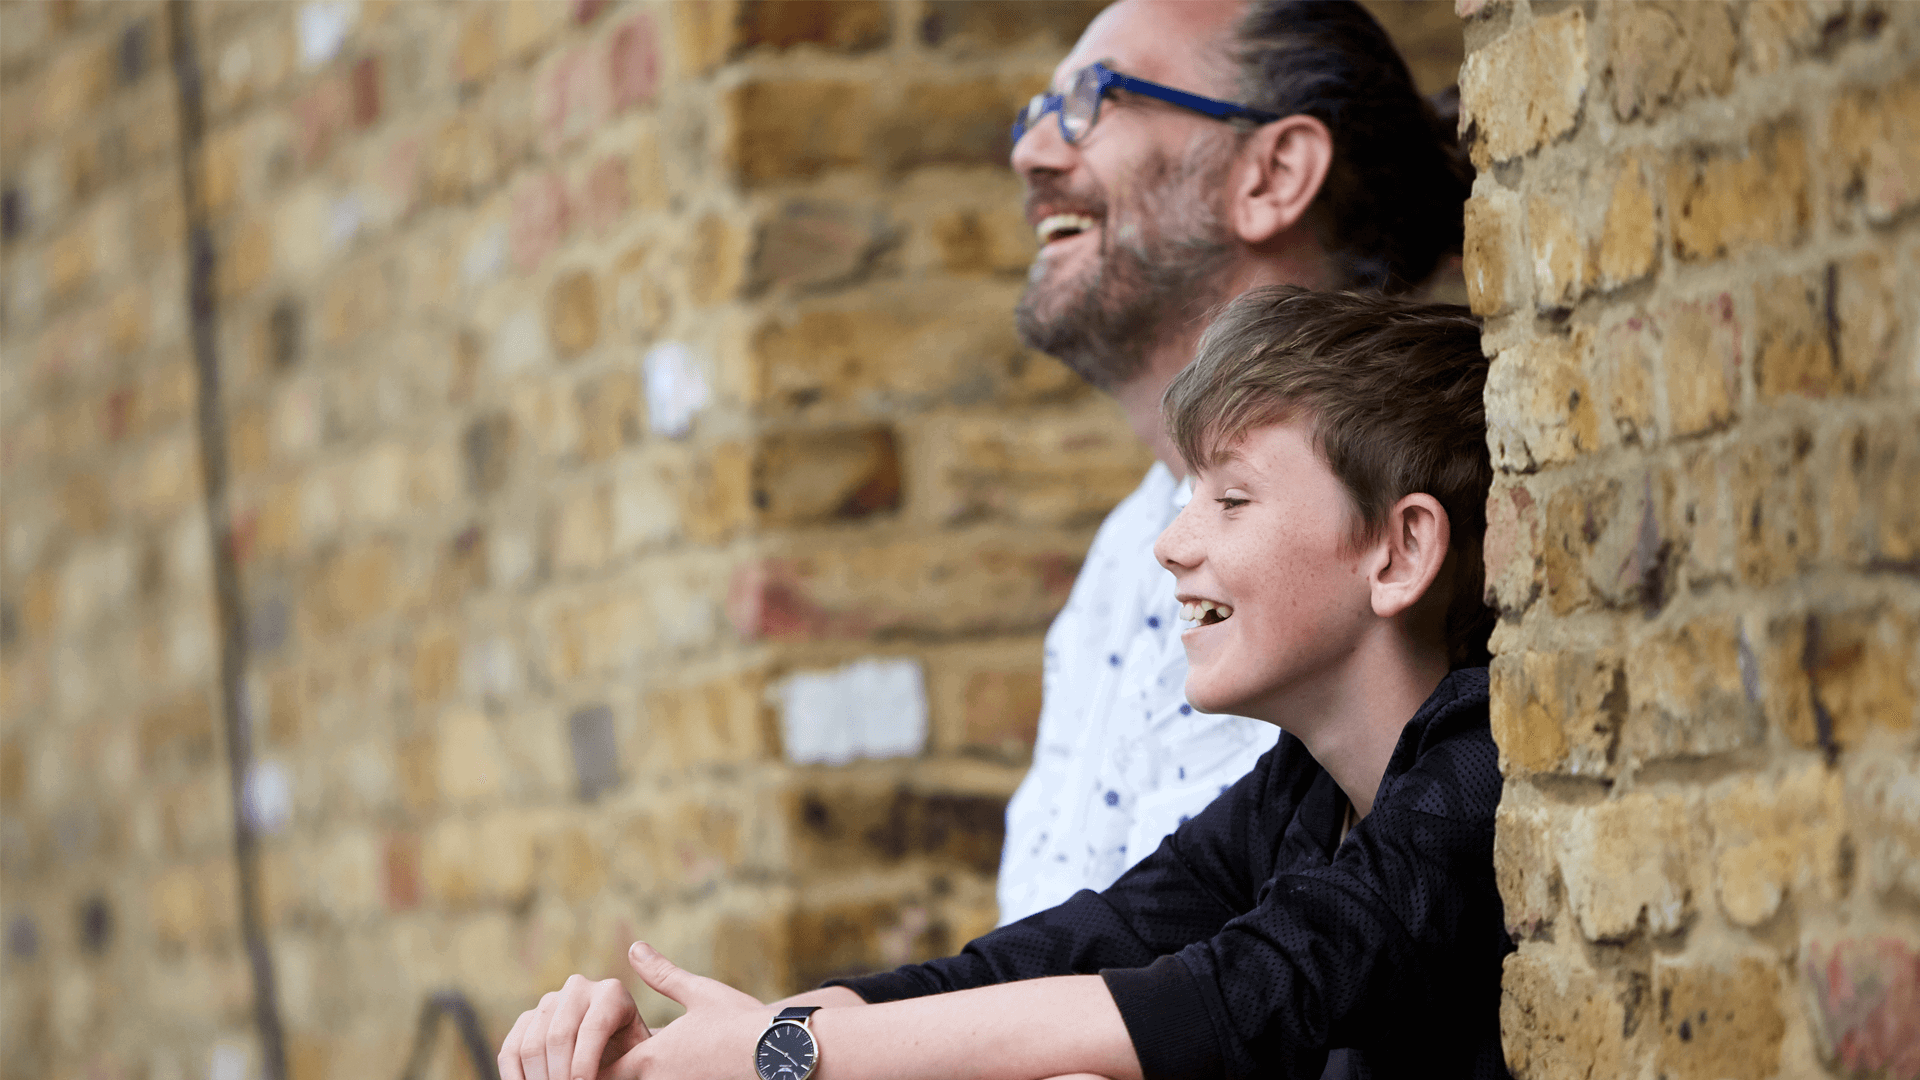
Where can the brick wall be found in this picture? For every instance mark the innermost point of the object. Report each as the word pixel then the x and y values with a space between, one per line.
pixel 1694 237
pixel 597 381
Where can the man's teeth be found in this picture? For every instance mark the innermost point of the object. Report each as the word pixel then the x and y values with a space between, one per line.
pixel 1205 612
pixel 1054 226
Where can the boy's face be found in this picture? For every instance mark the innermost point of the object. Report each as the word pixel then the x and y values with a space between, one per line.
pixel 1267 537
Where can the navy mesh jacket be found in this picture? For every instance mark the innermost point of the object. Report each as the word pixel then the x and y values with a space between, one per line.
pixel 1254 941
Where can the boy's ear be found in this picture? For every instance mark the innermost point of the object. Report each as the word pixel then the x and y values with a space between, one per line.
pixel 1409 554
pixel 1279 176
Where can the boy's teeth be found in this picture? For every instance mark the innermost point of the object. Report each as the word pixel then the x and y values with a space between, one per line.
pixel 1197 611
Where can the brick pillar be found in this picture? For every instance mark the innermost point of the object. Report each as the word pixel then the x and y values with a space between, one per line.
pixel 1693 239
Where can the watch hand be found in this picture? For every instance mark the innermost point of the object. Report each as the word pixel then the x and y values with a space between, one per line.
pixel 786 1055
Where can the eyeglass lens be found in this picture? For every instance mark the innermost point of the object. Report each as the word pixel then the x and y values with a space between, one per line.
pixel 1079 107
pixel 1082 104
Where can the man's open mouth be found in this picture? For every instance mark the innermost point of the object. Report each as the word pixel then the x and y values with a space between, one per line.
pixel 1060 226
pixel 1205 612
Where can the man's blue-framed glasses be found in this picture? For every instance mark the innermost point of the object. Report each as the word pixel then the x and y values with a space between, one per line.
pixel 1079 107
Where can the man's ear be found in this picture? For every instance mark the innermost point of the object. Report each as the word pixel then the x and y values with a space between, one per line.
pixel 1278 176
pixel 1409 554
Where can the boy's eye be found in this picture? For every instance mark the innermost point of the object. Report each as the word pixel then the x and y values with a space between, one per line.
pixel 1229 502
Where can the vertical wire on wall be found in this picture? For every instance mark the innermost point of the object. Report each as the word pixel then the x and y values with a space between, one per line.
pixel 229 611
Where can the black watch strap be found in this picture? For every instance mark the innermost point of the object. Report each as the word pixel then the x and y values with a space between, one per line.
pixel 797 1012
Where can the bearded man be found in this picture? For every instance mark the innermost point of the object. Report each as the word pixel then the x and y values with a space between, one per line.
pixel 1192 150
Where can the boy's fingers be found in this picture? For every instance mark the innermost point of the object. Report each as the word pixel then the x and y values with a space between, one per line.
pixel 611 1026
pixel 562 1026
pixel 533 1040
pixel 509 1059
pixel 658 972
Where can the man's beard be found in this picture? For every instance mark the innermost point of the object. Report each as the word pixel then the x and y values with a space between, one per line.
pixel 1160 263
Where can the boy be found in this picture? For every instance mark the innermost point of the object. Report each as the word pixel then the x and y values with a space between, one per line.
pixel 1340 897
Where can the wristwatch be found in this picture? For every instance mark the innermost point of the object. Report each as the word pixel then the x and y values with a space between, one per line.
pixel 786 1050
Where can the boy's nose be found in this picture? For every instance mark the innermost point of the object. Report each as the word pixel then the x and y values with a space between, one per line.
pixel 1178 549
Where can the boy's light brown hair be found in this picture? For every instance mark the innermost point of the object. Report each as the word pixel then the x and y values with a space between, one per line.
pixel 1394 389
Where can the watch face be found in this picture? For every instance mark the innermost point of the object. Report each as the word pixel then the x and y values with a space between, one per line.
pixel 786 1052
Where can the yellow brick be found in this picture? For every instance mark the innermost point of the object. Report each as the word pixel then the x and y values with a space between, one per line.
pixel 1779 30
pixel 1002 710
pixel 351 586
pixel 471 763
pixel 717 498
pixel 1876 141
pixel 1718 1018
pixel 1666 53
pixel 245 259
pixel 1629 244
pixel 1065 470
pixel 1701 357
pixel 436 666
pixel 1558 1018
pixel 609 414
pixel 1773 836
pixel 1775 507
pixel 1792 354
pixel 795 130
pixel 1625 356
pixel 581 530
pixel 1859 667
pixel 528 24
pixel 1495 277
pixel 1729 200
pixel 726 720
pixel 1625 860
pixel 703 32
pixel 69 260
pixel 1870 508
pixel 716 260
pixel 1540 408
pixel 1686 692
pixel 805 477
pixel 1875 323
pixel 1525 868
pixel 1560 270
pixel 573 314
pixel 478 48
pixel 1558 711
pixel 1525 89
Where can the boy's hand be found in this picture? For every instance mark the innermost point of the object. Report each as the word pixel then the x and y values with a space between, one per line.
pixel 588 1030
pixel 713 1041
pixel 573 1033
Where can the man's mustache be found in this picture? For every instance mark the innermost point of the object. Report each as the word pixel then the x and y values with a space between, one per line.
pixel 1056 195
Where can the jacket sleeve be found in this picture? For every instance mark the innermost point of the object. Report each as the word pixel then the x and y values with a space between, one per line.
pixel 1389 937
pixel 1183 892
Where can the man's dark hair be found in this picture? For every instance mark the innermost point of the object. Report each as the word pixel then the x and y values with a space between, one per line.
pixel 1392 203
pixel 1393 389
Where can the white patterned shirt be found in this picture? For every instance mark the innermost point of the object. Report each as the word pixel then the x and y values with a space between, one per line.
pixel 1121 758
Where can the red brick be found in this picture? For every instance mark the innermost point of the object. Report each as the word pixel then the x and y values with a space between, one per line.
pixel 366 91
pixel 540 217
pixel 633 61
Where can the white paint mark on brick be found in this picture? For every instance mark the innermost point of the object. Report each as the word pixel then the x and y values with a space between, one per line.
pixel 229 1062
pixel 269 797
pixel 344 221
pixel 323 29
pixel 486 255
pixel 675 389
pixel 873 708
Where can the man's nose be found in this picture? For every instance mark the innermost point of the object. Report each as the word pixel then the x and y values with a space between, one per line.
pixel 1042 148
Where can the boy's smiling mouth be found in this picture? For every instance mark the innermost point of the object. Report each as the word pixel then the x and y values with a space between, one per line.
pixel 1205 612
